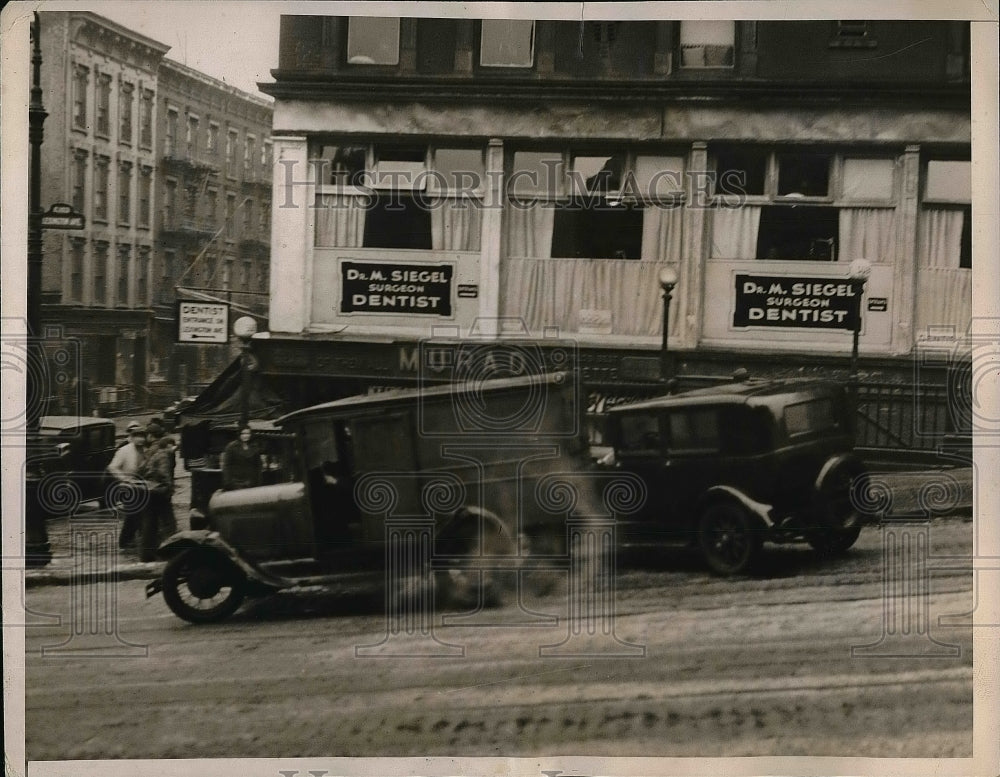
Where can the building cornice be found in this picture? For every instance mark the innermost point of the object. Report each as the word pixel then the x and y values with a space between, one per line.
pixel 104 36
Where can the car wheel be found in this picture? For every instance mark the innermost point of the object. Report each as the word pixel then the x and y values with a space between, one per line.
pixel 477 535
pixel 729 541
pixel 833 542
pixel 202 586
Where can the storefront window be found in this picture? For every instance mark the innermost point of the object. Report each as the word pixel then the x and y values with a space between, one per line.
pixel 945 221
pixel 868 179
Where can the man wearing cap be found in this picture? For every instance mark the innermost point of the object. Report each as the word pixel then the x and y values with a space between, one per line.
pixel 124 468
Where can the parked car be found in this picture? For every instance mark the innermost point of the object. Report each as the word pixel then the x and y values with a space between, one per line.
pixel 727 468
pixel 467 456
pixel 66 462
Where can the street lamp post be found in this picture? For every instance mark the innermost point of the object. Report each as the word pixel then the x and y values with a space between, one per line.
pixel 859 273
pixel 668 279
pixel 245 328
pixel 36 540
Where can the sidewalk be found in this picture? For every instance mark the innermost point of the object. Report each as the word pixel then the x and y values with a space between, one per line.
pixel 942 491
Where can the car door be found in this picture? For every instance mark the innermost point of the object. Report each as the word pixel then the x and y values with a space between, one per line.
pixel 693 460
pixel 640 450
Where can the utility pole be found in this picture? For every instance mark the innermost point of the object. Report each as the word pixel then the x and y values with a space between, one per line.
pixel 36 541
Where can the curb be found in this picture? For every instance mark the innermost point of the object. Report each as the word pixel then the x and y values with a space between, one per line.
pixel 36 578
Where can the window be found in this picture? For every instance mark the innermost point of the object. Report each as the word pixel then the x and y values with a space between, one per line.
pixel 191 137
pixel 166 284
pixel 125 113
pixel 81 79
pixel 212 139
pixel 77 248
pixel 266 158
pixel 945 239
pixel 232 138
pixel 741 170
pixel 227 274
pixel 803 174
pixel 868 179
pixel 146 119
pixel 248 218
pixel 124 193
pixel 459 170
pixel 797 232
pixel 507 43
pixel 261 281
pixel 79 180
pixel 212 207
pixel 124 259
pixel 436 44
pixel 245 276
pixel 101 171
pixel 169 203
pixel 639 432
pixel 145 194
pixel 816 415
pixel 694 430
pixel 170 133
pixel 104 105
pixel 142 277
pixel 249 157
pixel 707 44
pixel 852 34
pixel 230 216
pixel 100 273
pixel 265 218
pixel 372 40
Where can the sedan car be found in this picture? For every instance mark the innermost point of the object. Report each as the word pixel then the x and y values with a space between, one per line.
pixel 729 467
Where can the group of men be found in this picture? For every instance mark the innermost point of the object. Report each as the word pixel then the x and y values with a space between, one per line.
pixel 146 463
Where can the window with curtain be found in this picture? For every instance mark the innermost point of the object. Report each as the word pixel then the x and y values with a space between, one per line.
pixel 398 197
pixel 791 204
pixel 945 239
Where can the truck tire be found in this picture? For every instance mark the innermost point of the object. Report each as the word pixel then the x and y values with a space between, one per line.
pixel 202 586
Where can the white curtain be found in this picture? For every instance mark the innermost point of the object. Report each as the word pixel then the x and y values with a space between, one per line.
pixel 340 221
pixel 868 233
pixel 941 237
pixel 529 229
pixel 734 232
pixel 662 233
pixel 455 224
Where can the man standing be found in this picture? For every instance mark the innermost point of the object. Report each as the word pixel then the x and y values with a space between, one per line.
pixel 124 468
pixel 158 473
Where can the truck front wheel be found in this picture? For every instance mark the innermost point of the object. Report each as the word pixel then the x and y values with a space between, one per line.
pixel 202 586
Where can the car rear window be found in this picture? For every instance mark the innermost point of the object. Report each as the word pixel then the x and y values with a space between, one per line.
pixel 694 430
pixel 814 415
pixel 639 432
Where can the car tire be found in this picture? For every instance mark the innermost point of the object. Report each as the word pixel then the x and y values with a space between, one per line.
pixel 474 533
pixel 202 586
pixel 838 521
pixel 729 540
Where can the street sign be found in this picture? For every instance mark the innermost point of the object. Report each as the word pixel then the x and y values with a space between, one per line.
pixel 202 322
pixel 62 216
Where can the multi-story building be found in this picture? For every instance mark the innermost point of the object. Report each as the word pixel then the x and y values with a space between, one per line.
pixel 99 83
pixel 171 170
pixel 443 172
pixel 213 223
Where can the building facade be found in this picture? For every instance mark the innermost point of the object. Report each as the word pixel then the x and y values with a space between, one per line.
pixel 100 84
pixel 529 180
pixel 213 223
pixel 171 170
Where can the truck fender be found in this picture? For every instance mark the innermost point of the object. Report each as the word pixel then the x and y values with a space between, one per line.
pixel 204 538
pixel 755 508
pixel 849 460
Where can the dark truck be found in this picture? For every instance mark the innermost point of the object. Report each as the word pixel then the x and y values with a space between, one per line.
pixel 731 466
pixel 466 458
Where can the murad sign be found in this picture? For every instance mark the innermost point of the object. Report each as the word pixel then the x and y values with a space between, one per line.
pixel 202 322
pixel 784 301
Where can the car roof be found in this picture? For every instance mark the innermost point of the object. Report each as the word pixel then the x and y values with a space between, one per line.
pixel 410 395
pixel 750 392
pixel 61 422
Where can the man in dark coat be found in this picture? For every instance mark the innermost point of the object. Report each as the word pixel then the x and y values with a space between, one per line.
pixel 158 472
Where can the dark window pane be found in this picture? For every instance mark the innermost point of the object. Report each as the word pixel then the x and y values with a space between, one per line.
pixel 805 174
pixel 596 230
pixel 436 45
pixel 740 170
pixel 639 432
pixel 797 232
pixel 396 220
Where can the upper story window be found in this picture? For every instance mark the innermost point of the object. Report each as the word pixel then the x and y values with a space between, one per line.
pixel 802 174
pixel 191 138
pixel 249 156
pixel 507 43
pixel 81 78
pixel 146 119
pixel 372 40
pixel 170 135
pixel 946 217
pixel 145 195
pixel 79 179
pixel 104 105
pixel 232 138
pixel 101 181
pixel 852 34
pixel 125 113
pixel 212 139
pixel 707 43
